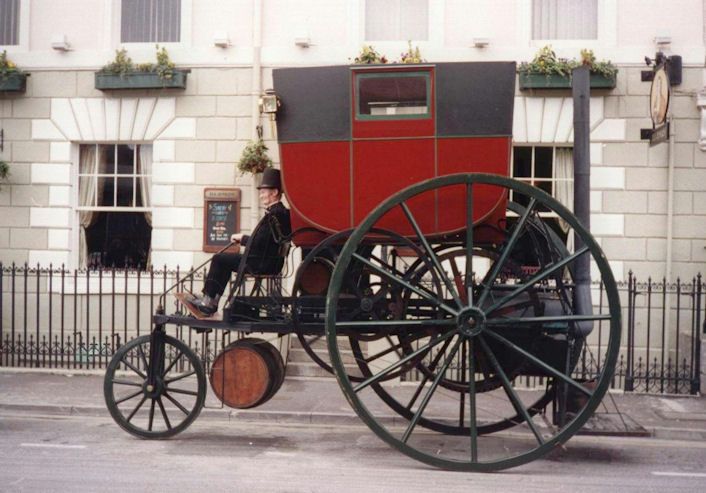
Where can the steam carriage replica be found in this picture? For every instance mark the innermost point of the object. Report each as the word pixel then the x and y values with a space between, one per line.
pixel 430 283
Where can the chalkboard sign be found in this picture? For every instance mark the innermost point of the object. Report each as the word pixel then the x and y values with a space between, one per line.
pixel 221 217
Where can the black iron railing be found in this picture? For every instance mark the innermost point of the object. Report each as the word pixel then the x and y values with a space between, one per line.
pixel 56 318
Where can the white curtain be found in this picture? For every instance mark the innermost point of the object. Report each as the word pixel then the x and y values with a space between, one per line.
pixel 564 182
pixel 564 19
pixel 396 20
pixel 144 168
pixel 87 196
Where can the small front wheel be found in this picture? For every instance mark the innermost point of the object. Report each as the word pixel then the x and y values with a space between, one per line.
pixel 161 406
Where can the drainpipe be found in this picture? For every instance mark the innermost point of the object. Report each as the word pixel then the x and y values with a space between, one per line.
pixel 670 227
pixel 581 92
pixel 255 95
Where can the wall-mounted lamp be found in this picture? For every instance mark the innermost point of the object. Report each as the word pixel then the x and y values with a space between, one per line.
pixel 60 43
pixel 220 39
pixel 481 42
pixel 269 102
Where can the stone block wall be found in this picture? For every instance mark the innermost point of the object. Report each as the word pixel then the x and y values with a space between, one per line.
pixel 633 180
pixel 197 134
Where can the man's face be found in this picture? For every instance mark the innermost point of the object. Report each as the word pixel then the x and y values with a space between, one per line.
pixel 268 196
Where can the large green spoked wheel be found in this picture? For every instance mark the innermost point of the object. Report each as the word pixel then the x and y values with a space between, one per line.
pixel 154 402
pixel 479 337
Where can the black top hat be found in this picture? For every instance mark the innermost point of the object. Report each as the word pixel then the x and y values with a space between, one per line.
pixel 271 179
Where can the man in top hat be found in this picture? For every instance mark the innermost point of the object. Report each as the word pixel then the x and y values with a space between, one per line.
pixel 264 254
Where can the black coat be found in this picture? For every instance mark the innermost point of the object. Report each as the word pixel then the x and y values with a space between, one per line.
pixel 264 245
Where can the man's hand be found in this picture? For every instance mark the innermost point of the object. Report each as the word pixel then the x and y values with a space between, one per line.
pixel 236 237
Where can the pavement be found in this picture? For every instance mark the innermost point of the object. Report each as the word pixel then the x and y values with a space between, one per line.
pixel 320 401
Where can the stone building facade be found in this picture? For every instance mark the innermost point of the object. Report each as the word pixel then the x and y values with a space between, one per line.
pixel 197 134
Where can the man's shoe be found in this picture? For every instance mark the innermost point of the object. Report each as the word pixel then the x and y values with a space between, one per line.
pixel 205 304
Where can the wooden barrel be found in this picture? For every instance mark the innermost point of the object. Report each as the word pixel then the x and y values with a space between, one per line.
pixel 274 359
pixel 247 373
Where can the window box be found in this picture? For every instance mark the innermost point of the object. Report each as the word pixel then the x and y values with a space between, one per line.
pixel 14 82
pixel 542 81
pixel 140 80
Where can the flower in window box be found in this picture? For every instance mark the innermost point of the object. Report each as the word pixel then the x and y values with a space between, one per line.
pixel 547 71
pixel 122 73
pixel 368 55
pixel 11 78
pixel 413 55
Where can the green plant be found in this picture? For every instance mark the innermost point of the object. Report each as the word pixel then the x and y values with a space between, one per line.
pixel 413 55
pixel 368 55
pixel 4 170
pixel 254 158
pixel 604 67
pixel 123 65
pixel 164 67
pixel 546 62
pixel 7 67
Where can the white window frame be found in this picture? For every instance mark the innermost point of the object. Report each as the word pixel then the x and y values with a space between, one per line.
pixel 532 178
pixel 74 259
pixel 145 48
pixel 607 31
pixel 23 30
pixel 392 49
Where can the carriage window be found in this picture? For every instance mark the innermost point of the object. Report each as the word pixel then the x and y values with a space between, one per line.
pixel 393 96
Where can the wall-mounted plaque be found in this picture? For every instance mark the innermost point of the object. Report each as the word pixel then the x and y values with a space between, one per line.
pixel 221 217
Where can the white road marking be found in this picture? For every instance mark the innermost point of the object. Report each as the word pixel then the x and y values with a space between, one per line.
pixel 681 474
pixel 51 445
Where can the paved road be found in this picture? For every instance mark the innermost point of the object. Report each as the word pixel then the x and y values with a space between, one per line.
pixel 60 453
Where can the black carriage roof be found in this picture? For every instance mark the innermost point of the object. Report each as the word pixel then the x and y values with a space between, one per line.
pixel 472 99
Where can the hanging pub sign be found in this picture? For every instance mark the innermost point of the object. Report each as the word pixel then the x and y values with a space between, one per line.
pixel 659 108
pixel 221 217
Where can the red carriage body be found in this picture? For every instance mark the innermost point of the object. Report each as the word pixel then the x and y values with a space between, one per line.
pixel 350 137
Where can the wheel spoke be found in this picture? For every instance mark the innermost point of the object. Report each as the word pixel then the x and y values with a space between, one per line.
pixel 137 408
pixel 176 403
pixel 151 420
pixel 164 413
pixel 133 368
pixel 548 319
pixel 444 322
pixel 409 357
pixel 406 285
pixel 182 391
pixel 120 381
pixel 431 368
pixel 392 348
pixel 143 357
pixel 549 369
pixel 171 365
pixel 459 280
pixel 510 391
pixel 170 380
pixel 469 245
pixel 472 402
pixel 540 276
pixel 430 392
pixel 500 263
pixel 128 397
pixel 431 254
